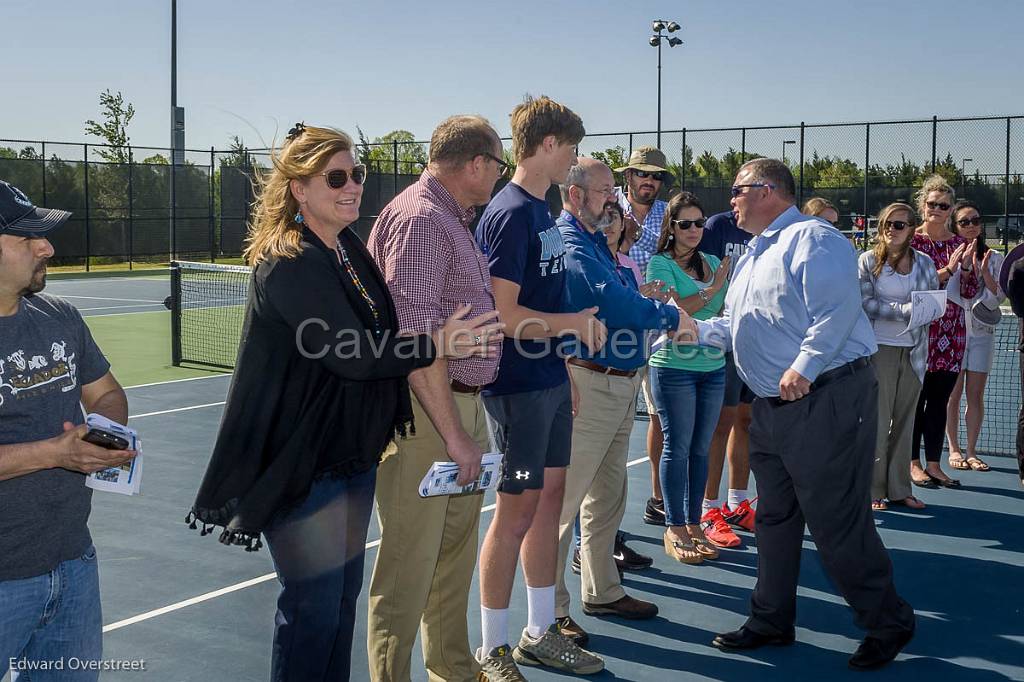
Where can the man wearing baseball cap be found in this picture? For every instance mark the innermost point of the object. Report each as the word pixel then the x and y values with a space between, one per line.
pixel 49 368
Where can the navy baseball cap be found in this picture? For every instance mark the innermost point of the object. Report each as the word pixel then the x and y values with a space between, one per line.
pixel 21 218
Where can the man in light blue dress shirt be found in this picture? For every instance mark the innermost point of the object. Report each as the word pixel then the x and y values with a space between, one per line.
pixel 801 341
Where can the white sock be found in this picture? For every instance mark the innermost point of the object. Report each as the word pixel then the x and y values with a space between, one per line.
pixel 541 604
pixel 494 626
pixel 708 505
pixel 736 497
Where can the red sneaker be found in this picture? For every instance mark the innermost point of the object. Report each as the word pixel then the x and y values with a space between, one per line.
pixel 742 516
pixel 717 531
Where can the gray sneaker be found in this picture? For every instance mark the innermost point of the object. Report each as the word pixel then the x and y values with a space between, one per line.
pixel 555 650
pixel 498 666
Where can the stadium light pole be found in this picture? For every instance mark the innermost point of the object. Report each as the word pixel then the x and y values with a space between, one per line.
pixel 784 143
pixel 658 26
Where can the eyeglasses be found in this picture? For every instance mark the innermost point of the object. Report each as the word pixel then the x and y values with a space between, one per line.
pixel 503 167
pixel 737 190
pixel 338 178
pixel 607 191
pixel 897 224
pixel 654 175
pixel 937 205
pixel 687 224
pixel 964 222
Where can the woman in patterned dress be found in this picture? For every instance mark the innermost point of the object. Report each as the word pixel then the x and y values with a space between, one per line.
pixel 947 336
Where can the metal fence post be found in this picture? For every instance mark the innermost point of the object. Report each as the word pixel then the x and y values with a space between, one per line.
pixel 867 167
pixel 631 143
pixel 935 131
pixel 131 209
pixel 800 193
pixel 743 146
pixel 1006 197
pixel 682 165
pixel 173 237
pixel 42 155
pixel 394 174
pixel 210 209
pixel 85 165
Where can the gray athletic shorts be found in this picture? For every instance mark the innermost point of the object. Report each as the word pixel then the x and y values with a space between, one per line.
pixel 980 351
pixel 534 431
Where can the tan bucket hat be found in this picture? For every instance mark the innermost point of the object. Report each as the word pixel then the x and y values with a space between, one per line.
pixel 646 158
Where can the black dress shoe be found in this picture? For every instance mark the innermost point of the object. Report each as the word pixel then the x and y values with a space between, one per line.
pixel 875 652
pixel 745 638
pixel 945 482
pixel 628 559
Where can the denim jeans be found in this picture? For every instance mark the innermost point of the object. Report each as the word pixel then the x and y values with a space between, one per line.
pixel 53 621
pixel 688 406
pixel 318 550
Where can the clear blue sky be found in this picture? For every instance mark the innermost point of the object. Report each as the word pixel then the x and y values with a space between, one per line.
pixel 253 68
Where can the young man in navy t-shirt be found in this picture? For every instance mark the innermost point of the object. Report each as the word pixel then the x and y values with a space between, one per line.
pixel 530 405
pixel 722 237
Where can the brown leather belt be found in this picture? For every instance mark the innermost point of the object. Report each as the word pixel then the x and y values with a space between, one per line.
pixel 460 387
pixel 594 367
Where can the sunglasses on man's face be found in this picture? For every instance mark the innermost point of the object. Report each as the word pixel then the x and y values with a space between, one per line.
pixel 687 224
pixel 338 178
pixel 654 175
pixel 937 205
pixel 737 190
pixel 896 224
pixel 967 222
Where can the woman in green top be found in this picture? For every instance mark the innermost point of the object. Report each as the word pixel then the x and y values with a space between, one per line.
pixel 688 381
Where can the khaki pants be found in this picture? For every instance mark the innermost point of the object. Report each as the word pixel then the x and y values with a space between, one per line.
pixel 898 390
pixel 595 483
pixel 426 558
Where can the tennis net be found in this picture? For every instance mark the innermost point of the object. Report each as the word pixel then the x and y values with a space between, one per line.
pixel 207 311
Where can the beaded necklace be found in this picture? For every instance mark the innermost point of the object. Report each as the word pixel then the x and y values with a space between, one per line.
pixel 354 276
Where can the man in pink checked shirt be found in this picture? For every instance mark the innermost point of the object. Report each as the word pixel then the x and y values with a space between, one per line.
pixel 432 266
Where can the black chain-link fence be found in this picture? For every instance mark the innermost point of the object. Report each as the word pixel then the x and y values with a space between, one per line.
pixel 131 206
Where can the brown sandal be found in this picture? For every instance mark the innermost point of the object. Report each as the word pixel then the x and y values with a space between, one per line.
pixel 704 546
pixel 976 464
pixel 684 552
pixel 959 463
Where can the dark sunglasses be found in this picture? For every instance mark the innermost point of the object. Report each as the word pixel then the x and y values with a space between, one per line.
pixel 937 205
pixel 964 222
pixel 338 178
pixel 502 165
pixel 654 175
pixel 737 190
pixel 687 224
pixel 897 224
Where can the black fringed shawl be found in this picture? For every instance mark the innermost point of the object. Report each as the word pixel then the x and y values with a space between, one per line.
pixel 291 419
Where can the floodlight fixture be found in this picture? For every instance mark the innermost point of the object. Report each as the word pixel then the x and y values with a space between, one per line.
pixel 672 27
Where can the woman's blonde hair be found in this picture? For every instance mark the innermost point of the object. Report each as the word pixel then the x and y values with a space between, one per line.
pixel 881 249
pixel 817 205
pixel 933 183
pixel 274 232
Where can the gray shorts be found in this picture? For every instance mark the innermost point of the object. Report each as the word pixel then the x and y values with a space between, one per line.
pixel 534 431
pixel 980 352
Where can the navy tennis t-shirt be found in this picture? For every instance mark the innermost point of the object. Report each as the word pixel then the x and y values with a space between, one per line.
pixel 723 237
pixel 518 235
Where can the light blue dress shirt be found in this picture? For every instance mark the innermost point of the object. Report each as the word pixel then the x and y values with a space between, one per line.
pixel 793 302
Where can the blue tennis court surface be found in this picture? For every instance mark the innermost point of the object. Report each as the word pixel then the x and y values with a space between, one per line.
pixel 196 610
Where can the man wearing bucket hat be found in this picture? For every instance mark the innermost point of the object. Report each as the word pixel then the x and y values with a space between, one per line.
pixel 49 368
pixel 644 175
pixel 1011 280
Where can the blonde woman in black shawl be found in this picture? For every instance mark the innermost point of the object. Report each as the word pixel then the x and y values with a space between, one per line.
pixel 319 390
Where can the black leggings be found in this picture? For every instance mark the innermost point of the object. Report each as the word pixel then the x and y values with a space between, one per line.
pixel 930 420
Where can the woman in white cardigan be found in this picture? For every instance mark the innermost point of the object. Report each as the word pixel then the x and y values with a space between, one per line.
pixel 888 275
pixel 980 339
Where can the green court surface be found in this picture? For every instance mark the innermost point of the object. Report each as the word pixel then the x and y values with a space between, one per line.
pixel 138 346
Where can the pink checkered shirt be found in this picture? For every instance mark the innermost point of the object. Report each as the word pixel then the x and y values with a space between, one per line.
pixel 432 265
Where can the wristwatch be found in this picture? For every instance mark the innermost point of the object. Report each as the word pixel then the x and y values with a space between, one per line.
pixel 704 296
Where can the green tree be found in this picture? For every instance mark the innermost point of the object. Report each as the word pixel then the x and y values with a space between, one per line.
pixel 116 114
pixel 380 154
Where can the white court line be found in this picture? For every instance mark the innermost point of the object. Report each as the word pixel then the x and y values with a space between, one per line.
pixel 178 381
pixel 141 312
pixel 106 298
pixel 176 409
pixel 248 583
pixel 123 307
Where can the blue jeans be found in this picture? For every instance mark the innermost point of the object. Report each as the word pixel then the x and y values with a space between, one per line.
pixel 53 620
pixel 318 550
pixel 688 406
